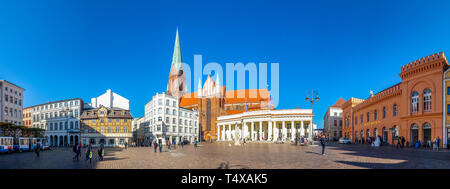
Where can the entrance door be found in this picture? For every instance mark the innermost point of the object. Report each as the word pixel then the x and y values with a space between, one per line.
pixel 385 135
pixel 414 134
pixel 426 133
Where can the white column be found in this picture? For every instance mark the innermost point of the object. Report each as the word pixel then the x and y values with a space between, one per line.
pixel 284 131
pixel 218 132
pixel 302 130
pixel 269 137
pixel 292 130
pixel 223 132
pixel 260 130
pixel 252 131
pixel 274 131
pixel 229 132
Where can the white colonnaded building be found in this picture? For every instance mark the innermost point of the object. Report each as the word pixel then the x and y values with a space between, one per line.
pixel 169 122
pixel 266 125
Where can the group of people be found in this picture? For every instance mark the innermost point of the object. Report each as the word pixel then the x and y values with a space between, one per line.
pixel 89 152
pixel 302 140
pixel 170 145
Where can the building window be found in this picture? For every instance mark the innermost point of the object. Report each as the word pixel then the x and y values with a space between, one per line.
pixel 384 112
pixel 110 129
pixel 125 129
pixel 414 102
pixel 160 101
pixel 117 129
pixel 426 100
pixel 167 111
pixel 375 115
pixel 368 117
pixel 395 110
pixel 102 129
pixel 448 90
pixel 448 108
pixel 174 112
pixel 335 122
pixel 362 119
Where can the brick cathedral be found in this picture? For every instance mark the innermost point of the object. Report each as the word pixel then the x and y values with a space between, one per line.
pixel 212 100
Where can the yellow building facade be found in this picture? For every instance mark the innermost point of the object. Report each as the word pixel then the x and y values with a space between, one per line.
pixel 110 126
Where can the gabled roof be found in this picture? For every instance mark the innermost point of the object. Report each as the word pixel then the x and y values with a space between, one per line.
pixel 339 103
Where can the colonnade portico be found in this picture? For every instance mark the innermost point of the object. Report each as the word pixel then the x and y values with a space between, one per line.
pixel 266 125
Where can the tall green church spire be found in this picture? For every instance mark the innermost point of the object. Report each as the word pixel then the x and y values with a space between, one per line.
pixel 176 59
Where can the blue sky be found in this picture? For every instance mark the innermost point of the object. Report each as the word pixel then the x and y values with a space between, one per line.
pixel 67 49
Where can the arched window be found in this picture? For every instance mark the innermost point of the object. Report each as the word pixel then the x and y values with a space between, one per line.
pixel 426 100
pixel 375 115
pixel 414 102
pixel 395 109
pixel 384 112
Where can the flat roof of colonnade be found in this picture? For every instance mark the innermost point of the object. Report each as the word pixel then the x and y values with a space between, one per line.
pixel 269 113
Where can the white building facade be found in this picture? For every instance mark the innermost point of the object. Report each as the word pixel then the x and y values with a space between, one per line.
pixel 11 102
pixel 168 122
pixel 266 125
pixel 332 123
pixel 110 100
pixel 61 121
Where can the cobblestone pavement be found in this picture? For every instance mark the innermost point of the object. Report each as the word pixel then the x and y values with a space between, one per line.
pixel 224 156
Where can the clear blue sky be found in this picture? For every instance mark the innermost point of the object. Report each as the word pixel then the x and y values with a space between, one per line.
pixel 60 49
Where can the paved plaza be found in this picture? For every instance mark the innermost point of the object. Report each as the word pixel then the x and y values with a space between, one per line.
pixel 223 156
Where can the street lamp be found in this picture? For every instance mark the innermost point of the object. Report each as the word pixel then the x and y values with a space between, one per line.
pixel 314 98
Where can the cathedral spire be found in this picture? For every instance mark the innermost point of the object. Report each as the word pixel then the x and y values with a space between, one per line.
pixel 177 80
pixel 176 58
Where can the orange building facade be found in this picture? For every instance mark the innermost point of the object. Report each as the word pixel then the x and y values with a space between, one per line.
pixel 411 109
pixel 27 117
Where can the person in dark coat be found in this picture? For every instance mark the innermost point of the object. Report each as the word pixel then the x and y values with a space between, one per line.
pixel 160 146
pixel 322 142
pixel 154 145
pixel 38 149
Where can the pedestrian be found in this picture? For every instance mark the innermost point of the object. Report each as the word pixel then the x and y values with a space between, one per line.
pixel 436 144
pixel 126 145
pixel 74 149
pixel 38 149
pixel 448 143
pixel 168 145
pixel 322 142
pixel 398 142
pixel 154 145
pixel 175 144
pixel 403 142
pixel 78 151
pixel 160 146
pixel 182 144
pixel 195 144
pixel 101 151
pixel 89 153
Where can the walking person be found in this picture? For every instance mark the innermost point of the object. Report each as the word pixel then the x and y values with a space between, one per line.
pixel 436 144
pixel 195 144
pixel 154 145
pixel 101 151
pixel 322 142
pixel 38 149
pixel 78 151
pixel 160 146
pixel 403 142
pixel 182 144
pixel 126 145
pixel 174 144
pixel 74 149
pixel 89 153
pixel 398 142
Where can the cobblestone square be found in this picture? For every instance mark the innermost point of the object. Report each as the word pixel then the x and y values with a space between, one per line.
pixel 225 156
